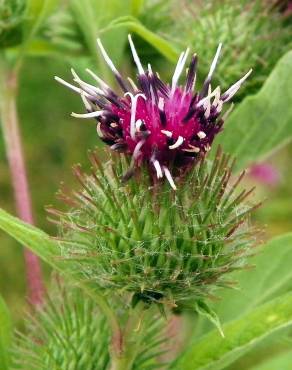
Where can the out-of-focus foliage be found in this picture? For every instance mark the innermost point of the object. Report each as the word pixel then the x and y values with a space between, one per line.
pixel 5 335
pixel 281 361
pixel 12 14
pixel 254 34
pixel 263 282
pixel 214 353
pixel 262 122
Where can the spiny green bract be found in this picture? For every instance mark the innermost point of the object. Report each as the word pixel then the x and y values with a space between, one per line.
pixel 159 245
pixel 69 333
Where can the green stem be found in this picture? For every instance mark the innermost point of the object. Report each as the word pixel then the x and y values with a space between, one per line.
pixel 12 137
pixel 123 356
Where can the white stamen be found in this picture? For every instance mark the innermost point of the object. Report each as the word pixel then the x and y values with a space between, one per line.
pixel 152 96
pixel 201 134
pixel 178 143
pixel 157 166
pixel 234 88
pixel 138 124
pixel 114 124
pixel 137 149
pixel 91 90
pixel 160 103
pixel 88 115
pixel 169 177
pixel 135 56
pixel 86 86
pixel 99 132
pixel 215 60
pixel 217 97
pixel 85 101
pixel 72 87
pixel 75 75
pixel 134 86
pixel 178 70
pixel 97 79
pixel 226 114
pixel 150 70
pixel 134 99
pixel 167 133
pixel 202 101
pixel 219 106
pixel 107 58
pixel 207 104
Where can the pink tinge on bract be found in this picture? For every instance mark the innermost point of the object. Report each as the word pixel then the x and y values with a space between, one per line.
pixel 166 126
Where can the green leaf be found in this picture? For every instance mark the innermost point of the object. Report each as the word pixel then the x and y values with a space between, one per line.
pixel 159 43
pixel 92 17
pixel 203 309
pixel 212 352
pixel 262 123
pixel 136 6
pixel 270 277
pixel 48 250
pixel 5 335
pixel 37 240
pixel 282 361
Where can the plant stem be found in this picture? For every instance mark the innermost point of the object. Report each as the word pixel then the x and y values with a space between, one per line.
pixel 123 357
pixel 10 126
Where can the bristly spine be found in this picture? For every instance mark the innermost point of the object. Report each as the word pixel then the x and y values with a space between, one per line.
pixel 143 240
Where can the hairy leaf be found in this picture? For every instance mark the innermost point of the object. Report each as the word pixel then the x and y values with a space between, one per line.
pixel 212 352
pixel 262 123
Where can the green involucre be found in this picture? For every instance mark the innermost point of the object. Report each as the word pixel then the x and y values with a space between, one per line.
pixel 70 333
pixel 159 245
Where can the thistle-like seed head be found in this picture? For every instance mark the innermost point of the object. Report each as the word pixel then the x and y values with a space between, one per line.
pixel 142 239
pixel 164 125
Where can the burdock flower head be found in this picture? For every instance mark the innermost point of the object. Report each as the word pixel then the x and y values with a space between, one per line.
pixel 139 238
pixel 167 126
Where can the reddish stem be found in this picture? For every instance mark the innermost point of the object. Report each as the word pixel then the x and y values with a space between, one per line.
pixel 16 162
